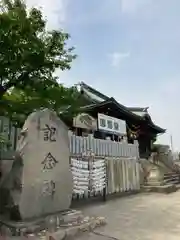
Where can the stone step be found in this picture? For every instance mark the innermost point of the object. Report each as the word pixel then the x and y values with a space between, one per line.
pixel 166 175
pixel 171 182
pixel 154 183
pixel 172 176
pixel 171 179
pixel 169 188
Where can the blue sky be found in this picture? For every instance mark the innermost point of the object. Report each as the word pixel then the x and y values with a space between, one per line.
pixel 128 49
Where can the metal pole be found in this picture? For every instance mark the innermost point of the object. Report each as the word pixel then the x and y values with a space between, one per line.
pixel 172 148
pixel 171 141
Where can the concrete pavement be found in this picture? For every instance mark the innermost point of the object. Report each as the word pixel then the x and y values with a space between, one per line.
pixel 139 217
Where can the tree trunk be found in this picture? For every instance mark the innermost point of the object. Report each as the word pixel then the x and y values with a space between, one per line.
pixel 2 92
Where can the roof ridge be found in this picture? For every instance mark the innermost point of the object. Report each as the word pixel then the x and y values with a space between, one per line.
pixel 93 90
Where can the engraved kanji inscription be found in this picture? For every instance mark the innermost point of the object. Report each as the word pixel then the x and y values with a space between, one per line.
pixel 49 133
pixel 49 162
pixel 49 188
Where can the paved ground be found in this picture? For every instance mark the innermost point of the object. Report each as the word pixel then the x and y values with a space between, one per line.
pixel 139 217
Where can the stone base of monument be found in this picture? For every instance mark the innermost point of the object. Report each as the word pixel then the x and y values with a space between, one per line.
pixel 155 176
pixel 59 226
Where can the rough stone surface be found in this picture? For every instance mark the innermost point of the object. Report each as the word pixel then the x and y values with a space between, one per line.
pixel 72 216
pixel 70 223
pixel 59 235
pixel 40 180
pixel 72 232
pixel 92 236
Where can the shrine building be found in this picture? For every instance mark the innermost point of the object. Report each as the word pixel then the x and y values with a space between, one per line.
pixel 105 118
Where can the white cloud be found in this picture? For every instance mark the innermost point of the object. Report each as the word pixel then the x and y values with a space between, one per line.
pixel 117 57
pixel 129 5
pixel 54 11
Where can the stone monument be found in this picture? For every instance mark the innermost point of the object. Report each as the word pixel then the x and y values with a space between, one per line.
pixel 40 181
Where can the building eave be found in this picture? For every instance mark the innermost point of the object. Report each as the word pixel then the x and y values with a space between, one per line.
pixel 156 128
pixel 92 90
pixel 152 125
pixel 121 107
pixel 130 111
pixel 125 111
pixel 138 109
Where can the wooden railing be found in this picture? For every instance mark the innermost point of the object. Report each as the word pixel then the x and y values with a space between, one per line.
pixel 99 147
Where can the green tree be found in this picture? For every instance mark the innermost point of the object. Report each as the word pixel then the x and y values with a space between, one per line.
pixel 29 57
pixel 19 103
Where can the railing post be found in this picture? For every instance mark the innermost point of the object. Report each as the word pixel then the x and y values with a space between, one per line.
pixel 137 148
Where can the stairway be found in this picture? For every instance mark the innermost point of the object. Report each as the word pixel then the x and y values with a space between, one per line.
pixel 161 177
pixel 171 178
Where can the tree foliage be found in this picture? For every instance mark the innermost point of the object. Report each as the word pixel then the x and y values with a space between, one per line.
pixel 58 98
pixel 29 58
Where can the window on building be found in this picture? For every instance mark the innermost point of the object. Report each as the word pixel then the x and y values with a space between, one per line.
pixel 102 122
pixel 110 124
pixel 116 126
